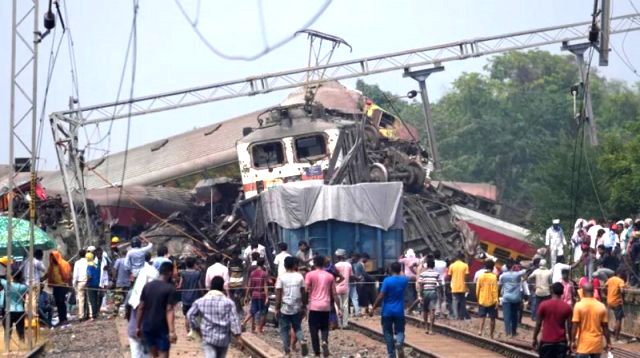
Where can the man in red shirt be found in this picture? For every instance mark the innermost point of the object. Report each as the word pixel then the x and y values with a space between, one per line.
pixel 321 287
pixel 554 316
pixel 258 291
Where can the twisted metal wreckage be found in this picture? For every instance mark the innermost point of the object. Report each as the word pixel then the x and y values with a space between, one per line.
pixel 372 156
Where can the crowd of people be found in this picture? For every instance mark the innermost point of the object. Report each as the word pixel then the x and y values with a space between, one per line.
pixel 221 296
pixel 568 301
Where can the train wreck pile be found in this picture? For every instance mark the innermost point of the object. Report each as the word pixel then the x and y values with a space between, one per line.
pixel 198 221
pixel 429 222
pixel 209 225
pixel 364 145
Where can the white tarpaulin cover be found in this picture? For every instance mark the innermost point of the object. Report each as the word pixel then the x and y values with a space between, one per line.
pixel 298 204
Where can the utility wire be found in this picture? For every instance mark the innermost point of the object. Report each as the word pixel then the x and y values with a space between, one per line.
pixel 122 75
pixel 265 50
pixel 634 7
pixel 583 149
pixel 263 26
pixel 625 59
pixel 134 60
pixel 593 185
pixel 53 58
pixel 72 56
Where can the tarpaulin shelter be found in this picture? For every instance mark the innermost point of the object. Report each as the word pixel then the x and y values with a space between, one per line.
pixel 21 237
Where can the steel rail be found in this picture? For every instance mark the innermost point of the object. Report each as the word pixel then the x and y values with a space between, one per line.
pixel 618 352
pixel 373 334
pixel 489 344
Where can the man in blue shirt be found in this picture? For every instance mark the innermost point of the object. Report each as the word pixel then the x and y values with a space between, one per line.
pixel 162 252
pixel 392 297
pixel 511 288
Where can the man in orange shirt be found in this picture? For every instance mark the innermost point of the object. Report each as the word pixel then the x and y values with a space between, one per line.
pixel 590 323
pixel 614 285
pixel 458 271
pixel 487 294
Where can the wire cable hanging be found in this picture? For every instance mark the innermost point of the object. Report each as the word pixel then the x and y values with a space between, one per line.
pixel 265 50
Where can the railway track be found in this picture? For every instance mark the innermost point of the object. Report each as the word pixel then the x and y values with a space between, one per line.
pixel 448 342
pixel 624 335
pixel 253 346
pixel 617 351
pixel 503 348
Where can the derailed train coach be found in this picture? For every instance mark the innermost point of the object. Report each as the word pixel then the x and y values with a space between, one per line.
pixel 300 150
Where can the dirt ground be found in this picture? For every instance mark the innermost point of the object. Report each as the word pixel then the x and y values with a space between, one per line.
pixel 87 339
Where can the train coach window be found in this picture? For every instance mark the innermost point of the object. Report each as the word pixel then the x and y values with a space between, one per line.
pixel 387 120
pixel 310 147
pixel 502 254
pixel 267 155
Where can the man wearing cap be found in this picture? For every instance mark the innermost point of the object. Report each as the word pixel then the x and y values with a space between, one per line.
pixel 114 246
pixel 611 237
pixel 542 280
pixel 555 241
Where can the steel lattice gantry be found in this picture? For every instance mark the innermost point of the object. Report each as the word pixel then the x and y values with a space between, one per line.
pixel 342 70
pixel 65 124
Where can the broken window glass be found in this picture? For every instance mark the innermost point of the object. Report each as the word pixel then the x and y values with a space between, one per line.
pixel 310 147
pixel 267 155
pixel 387 120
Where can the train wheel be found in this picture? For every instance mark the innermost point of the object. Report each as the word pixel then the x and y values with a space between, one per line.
pixel 415 181
pixel 378 173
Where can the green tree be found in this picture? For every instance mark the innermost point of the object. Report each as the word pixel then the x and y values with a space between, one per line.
pixel 496 127
pixel 620 165
pixel 513 125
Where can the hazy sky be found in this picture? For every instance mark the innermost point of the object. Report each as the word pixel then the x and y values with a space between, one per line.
pixel 171 56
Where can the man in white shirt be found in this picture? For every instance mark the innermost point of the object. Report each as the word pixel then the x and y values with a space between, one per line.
pixel 441 268
pixel 146 274
pixel 291 305
pixel 542 282
pixel 79 282
pixel 279 259
pixel 33 279
pixel 217 269
pixel 254 247
pixel 557 269
pixel 592 231
pixel 555 241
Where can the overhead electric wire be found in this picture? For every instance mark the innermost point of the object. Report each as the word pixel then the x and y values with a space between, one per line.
pixel 580 137
pixel 593 185
pixel 263 26
pixel 122 75
pixel 134 60
pixel 634 7
pixel 625 58
pixel 72 55
pixel 53 58
pixel 264 51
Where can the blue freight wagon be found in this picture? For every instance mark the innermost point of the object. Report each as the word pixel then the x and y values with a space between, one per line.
pixel 336 218
pixel 325 237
